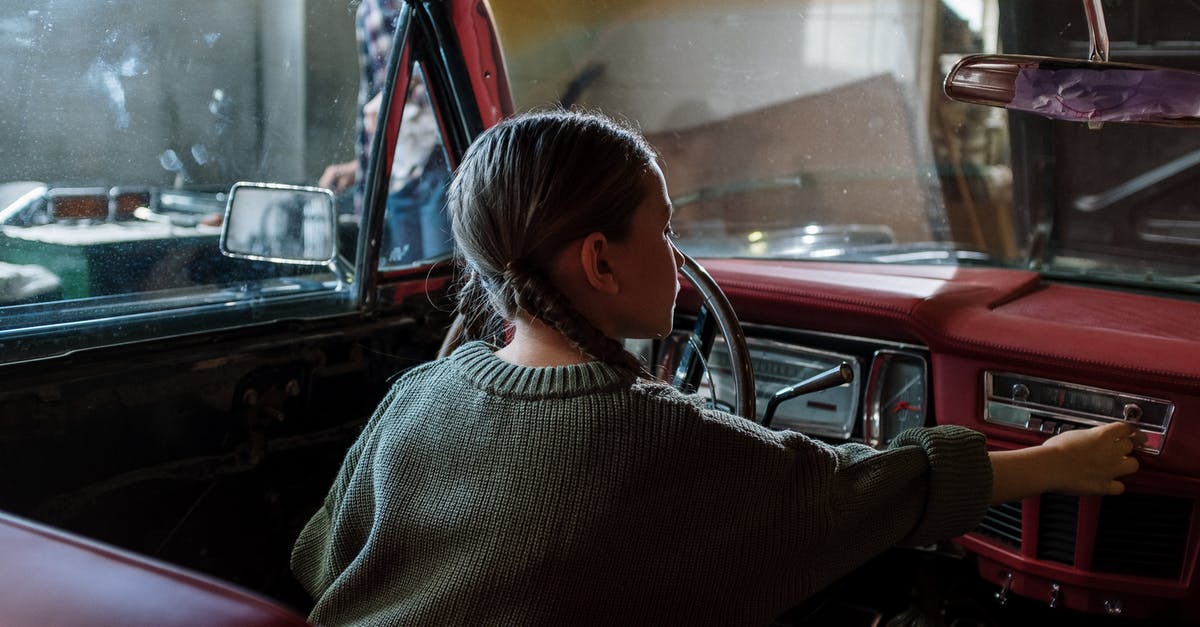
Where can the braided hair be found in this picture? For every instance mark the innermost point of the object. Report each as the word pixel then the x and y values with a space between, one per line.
pixel 525 188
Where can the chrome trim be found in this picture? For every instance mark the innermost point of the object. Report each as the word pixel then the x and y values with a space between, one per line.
pixel 753 328
pixel 1027 415
pixel 330 263
pixel 873 416
pixel 785 353
pixel 727 322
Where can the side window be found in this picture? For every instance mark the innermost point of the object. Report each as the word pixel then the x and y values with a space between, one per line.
pixel 416 228
pixel 126 125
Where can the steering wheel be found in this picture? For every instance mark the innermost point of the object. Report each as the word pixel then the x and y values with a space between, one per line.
pixel 715 314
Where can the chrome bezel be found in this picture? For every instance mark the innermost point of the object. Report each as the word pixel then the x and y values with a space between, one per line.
pixel 1033 416
pixel 881 362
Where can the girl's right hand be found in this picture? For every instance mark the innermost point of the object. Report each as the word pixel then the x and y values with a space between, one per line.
pixel 1088 461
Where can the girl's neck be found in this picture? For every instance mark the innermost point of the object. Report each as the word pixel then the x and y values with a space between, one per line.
pixel 536 345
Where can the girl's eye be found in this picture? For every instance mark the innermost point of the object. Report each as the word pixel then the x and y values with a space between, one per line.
pixel 670 232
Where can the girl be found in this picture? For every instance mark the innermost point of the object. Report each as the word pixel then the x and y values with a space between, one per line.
pixel 552 481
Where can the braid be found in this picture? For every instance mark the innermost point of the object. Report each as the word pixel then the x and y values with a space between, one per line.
pixel 475 307
pixel 528 292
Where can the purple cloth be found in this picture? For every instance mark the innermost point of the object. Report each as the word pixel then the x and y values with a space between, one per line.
pixel 1107 95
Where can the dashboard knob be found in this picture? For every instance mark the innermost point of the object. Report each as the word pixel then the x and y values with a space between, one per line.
pixel 1132 411
pixel 1020 392
pixel 1113 607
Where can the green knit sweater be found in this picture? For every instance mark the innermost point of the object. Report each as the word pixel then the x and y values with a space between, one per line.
pixel 486 493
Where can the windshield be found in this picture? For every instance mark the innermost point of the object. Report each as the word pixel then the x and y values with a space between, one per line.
pixel 819 130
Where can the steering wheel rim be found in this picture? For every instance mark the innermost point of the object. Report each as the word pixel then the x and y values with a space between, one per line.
pixel 726 321
pixel 731 330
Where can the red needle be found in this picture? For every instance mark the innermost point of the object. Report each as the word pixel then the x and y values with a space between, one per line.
pixel 904 405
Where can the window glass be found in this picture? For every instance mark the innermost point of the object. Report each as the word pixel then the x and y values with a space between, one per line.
pixel 415 225
pixel 126 123
pixel 789 129
pixel 818 129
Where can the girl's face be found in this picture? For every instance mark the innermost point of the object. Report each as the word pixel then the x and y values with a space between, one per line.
pixel 648 266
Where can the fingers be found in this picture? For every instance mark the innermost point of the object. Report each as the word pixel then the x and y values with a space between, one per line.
pixel 371 113
pixel 1127 466
pixel 338 176
pixel 1117 430
pixel 1114 488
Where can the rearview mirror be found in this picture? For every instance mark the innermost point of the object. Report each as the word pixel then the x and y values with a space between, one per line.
pixel 281 223
pixel 1077 90
pixel 1093 91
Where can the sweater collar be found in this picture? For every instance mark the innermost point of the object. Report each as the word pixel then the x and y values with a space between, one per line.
pixel 477 363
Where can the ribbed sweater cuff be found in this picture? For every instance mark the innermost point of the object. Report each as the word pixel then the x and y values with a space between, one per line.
pixel 960 481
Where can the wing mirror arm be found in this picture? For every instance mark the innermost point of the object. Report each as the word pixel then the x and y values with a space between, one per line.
pixel 835 376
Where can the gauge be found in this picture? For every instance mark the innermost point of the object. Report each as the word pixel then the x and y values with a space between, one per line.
pixel 897 396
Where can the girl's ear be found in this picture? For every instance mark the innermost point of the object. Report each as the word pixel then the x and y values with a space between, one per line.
pixel 594 258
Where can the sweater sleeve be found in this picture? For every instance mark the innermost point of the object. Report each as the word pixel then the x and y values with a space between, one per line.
pixel 821 511
pixel 960 481
pixel 855 501
pixel 334 535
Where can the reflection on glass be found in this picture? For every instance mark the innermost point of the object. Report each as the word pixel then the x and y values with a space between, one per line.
pixel 416 228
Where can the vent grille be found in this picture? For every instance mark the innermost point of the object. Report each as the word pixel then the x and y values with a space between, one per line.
pixel 1003 522
pixel 1143 535
pixel 1058 520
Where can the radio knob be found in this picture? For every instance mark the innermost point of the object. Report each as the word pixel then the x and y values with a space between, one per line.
pixel 1132 411
pixel 1020 392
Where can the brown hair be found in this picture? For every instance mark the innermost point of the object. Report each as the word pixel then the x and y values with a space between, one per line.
pixel 525 188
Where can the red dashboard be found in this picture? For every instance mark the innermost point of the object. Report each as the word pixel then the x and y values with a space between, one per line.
pixel 1134 554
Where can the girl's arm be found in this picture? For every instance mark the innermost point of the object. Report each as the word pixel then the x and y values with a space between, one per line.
pixel 1083 461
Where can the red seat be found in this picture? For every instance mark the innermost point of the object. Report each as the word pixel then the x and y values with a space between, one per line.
pixel 49 577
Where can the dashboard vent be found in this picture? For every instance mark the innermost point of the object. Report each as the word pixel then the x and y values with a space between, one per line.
pixel 1143 535
pixel 1003 522
pixel 1057 523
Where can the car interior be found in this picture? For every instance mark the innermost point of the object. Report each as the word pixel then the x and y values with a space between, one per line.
pixel 896 213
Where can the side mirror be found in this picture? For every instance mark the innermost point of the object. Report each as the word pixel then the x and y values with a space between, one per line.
pixel 280 223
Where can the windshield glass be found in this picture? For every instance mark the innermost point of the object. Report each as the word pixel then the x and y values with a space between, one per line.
pixel 819 130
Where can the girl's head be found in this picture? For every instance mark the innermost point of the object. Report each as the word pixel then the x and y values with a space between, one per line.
pixel 563 217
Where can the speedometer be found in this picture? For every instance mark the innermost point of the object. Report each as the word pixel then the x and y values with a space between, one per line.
pixel 897 396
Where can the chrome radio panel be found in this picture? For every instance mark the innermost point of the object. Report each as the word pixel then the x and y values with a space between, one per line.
pixel 1051 407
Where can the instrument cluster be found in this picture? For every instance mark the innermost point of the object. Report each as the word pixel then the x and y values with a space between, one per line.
pixel 889 391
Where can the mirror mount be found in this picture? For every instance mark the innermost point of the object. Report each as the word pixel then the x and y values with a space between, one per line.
pixel 1097 30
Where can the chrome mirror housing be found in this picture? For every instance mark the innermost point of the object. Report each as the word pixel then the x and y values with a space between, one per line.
pixel 280 223
pixel 1078 91
pixel 1093 91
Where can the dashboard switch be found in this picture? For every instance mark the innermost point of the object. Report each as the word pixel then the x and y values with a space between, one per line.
pixel 1020 392
pixel 1049 427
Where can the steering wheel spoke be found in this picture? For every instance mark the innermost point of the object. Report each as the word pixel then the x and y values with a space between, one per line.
pixel 716 314
pixel 695 351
